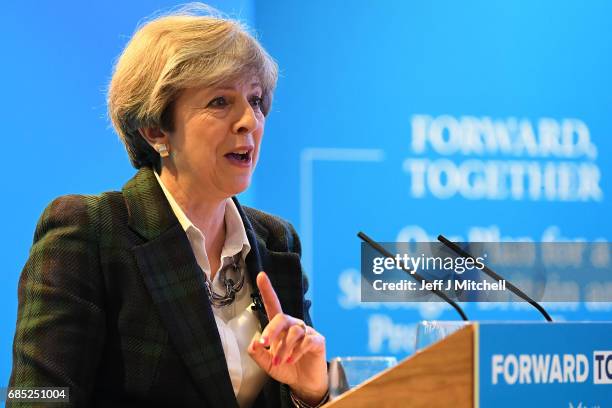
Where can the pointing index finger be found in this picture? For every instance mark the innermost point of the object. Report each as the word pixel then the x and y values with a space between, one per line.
pixel 270 300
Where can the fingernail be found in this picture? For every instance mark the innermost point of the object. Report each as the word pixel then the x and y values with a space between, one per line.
pixel 289 360
pixel 275 360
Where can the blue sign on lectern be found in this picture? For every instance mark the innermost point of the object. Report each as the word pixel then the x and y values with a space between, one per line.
pixel 543 364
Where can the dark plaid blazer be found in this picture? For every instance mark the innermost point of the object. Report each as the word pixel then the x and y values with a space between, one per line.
pixel 112 303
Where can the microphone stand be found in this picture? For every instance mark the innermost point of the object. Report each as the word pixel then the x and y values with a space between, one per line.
pixel 379 248
pixel 458 250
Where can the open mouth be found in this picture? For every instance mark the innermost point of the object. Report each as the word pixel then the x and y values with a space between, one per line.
pixel 242 157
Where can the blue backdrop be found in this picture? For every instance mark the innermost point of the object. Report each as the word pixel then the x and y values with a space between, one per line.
pixel 479 120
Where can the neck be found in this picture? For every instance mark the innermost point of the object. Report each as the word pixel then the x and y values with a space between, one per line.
pixel 205 211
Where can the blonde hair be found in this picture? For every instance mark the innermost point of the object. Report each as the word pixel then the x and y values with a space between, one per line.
pixel 173 52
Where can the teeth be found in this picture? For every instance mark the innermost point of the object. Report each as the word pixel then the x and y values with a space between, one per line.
pixel 241 152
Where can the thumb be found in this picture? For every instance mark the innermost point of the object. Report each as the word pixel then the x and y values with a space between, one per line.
pixel 260 354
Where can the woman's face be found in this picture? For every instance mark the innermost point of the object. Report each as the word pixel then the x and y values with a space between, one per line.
pixel 216 137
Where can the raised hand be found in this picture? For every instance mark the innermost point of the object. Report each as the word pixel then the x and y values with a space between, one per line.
pixel 288 350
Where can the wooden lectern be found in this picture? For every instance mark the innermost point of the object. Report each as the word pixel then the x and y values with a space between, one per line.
pixel 499 364
pixel 441 375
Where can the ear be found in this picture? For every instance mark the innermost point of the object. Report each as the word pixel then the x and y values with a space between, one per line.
pixel 154 136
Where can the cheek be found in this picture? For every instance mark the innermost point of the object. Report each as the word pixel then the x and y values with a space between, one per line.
pixel 259 132
pixel 257 138
pixel 202 140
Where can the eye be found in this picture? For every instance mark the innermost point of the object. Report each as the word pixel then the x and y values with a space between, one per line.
pixel 218 102
pixel 256 102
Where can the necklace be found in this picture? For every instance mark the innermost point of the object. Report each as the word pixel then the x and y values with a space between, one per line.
pixel 231 287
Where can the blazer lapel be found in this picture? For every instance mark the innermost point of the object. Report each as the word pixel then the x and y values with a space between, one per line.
pixel 283 268
pixel 176 284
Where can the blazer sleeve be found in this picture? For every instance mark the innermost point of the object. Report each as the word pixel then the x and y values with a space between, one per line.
pixel 60 318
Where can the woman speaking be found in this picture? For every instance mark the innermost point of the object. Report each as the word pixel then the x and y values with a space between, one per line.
pixel 169 292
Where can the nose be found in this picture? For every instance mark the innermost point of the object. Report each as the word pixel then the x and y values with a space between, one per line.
pixel 247 120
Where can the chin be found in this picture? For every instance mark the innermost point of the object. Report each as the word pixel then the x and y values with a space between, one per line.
pixel 238 188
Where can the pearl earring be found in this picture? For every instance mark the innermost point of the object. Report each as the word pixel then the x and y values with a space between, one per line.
pixel 162 149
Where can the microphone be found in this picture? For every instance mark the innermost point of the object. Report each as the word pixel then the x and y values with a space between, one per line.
pixel 457 249
pixel 257 302
pixel 379 248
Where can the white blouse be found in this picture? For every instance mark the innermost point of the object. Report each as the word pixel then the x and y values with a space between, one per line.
pixel 237 323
